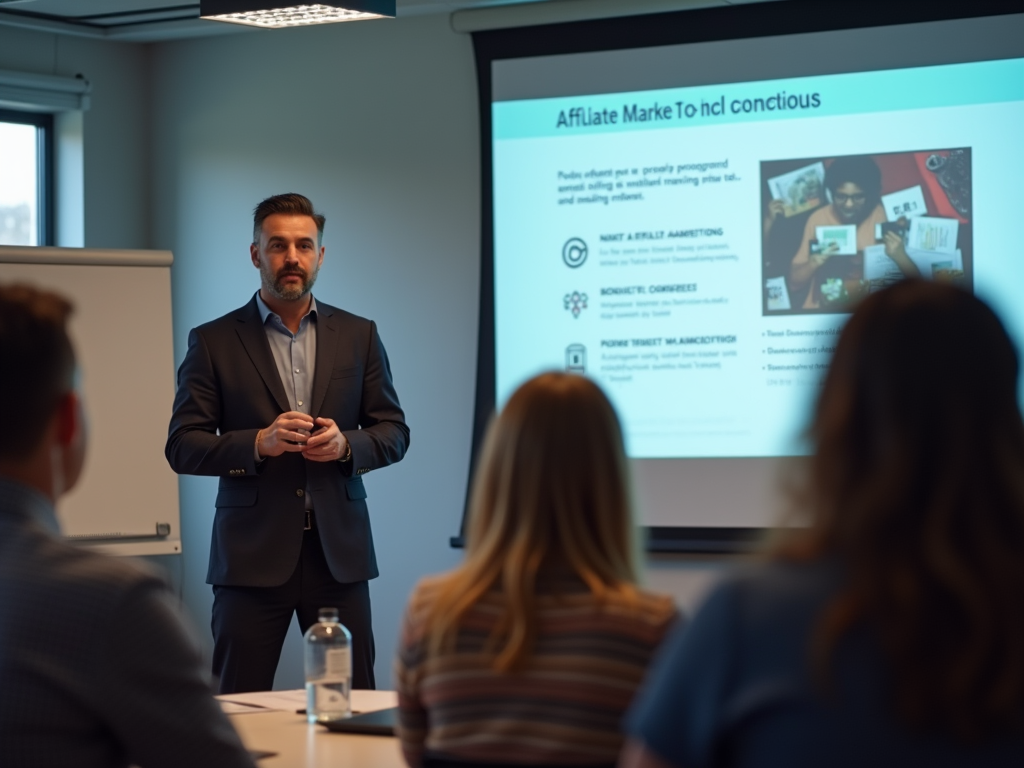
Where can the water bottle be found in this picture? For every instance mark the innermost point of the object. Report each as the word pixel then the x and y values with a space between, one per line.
pixel 328 669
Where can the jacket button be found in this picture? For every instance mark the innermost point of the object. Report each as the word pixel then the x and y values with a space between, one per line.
pixel 299 492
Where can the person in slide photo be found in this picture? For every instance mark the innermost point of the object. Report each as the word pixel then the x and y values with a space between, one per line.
pixel 530 651
pixel 96 668
pixel 855 185
pixel 888 630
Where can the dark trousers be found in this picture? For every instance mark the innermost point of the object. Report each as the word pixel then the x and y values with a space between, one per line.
pixel 250 623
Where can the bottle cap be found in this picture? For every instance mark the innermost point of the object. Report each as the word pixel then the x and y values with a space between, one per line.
pixel 328 615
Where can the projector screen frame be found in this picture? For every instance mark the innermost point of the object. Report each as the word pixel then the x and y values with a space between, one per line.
pixel 734 22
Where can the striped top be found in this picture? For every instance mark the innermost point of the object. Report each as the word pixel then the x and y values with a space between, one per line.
pixel 562 707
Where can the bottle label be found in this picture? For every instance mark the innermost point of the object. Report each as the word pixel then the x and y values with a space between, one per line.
pixel 328 699
pixel 337 666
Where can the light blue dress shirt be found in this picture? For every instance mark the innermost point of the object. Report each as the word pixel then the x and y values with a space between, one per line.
pixel 295 356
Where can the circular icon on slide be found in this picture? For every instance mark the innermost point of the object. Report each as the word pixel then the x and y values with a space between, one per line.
pixel 574 252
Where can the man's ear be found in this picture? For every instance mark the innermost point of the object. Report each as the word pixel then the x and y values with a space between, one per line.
pixel 254 254
pixel 67 419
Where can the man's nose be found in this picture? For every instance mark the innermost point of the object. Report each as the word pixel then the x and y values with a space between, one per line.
pixel 292 255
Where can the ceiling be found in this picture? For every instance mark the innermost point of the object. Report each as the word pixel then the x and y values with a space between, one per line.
pixel 153 20
pixel 111 13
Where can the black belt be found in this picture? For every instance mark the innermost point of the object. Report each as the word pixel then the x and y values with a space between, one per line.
pixel 309 520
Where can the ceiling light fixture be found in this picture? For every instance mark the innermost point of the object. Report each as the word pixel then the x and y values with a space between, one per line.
pixel 277 14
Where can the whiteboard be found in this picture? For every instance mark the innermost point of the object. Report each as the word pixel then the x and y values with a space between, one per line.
pixel 121 329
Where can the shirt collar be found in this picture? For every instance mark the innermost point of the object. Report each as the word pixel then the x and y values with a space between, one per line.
pixel 266 311
pixel 15 497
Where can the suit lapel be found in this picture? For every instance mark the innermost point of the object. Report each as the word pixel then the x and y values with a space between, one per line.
pixel 326 346
pixel 254 339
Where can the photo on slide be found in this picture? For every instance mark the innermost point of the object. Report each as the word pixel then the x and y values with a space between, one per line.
pixel 835 229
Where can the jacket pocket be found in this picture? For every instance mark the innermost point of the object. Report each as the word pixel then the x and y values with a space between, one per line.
pixel 236 497
pixel 355 489
pixel 346 372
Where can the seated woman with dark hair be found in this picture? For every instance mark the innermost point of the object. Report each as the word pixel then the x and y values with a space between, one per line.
pixel 530 652
pixel 890 630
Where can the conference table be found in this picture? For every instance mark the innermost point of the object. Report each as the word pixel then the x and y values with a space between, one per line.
pixel 268 722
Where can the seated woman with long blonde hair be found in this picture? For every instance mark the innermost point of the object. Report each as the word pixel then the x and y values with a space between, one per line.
pixel 531 650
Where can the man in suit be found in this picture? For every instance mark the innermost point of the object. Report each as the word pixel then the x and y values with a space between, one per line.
pixel 97 668
pixel 289 401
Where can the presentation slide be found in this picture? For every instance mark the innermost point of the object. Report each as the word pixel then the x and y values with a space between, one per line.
pixel 696 250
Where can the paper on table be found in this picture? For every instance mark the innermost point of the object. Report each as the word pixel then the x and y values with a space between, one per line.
pixel 931 262
pixel 281 701
pixel 878 265
pixel 233 708
pixel 370 701
pixel 929 233
pixel 907 202
pixel 294 700
pixel 778 294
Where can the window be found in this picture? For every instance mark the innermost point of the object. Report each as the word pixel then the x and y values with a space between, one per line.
pixel 26 187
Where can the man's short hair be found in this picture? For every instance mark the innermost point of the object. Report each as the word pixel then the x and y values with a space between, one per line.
pixel 39 364
pixel 292 204
pixel 861 170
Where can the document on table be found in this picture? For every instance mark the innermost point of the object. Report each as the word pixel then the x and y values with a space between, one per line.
pixel 879 268
pixel 932 233
pixel 295 700
pixel 263 701
pixel 371 701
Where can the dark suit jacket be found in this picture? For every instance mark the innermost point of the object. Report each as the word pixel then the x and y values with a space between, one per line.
pixel 96 666
pixel 229 389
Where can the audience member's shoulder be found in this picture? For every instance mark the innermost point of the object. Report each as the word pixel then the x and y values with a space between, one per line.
pixel 423 596
pixel 777 587
pixel 655 607
pixel 427 587
pixel 781 575
pixel 640 612
pixel 92 575
pixel 47 580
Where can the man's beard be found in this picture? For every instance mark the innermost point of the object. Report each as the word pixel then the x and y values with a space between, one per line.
pixel 276 287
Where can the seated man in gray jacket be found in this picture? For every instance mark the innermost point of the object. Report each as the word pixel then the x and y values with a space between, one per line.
pixel 97 668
